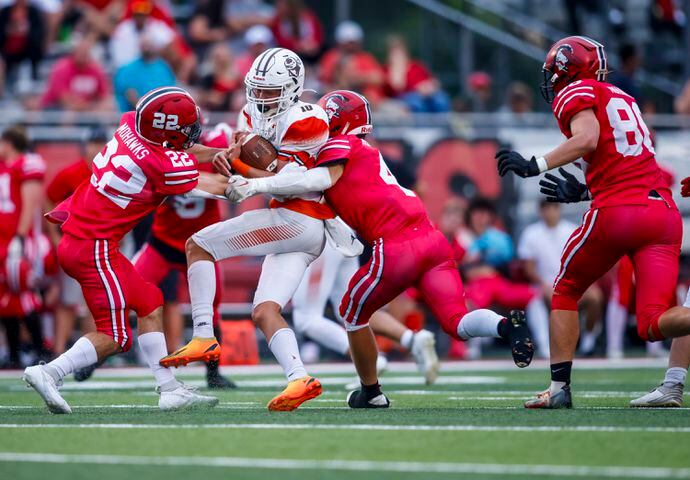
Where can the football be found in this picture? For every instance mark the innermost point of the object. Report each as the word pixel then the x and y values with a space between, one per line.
pixel 258 152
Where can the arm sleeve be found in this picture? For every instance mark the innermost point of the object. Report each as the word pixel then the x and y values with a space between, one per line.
pixel 33 167
pixel 575 98
pixel 177 176
pixel 336 150
pixel 294 183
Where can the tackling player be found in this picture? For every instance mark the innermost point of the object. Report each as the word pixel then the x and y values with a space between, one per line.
pixel 407 250
pixel 290 234
pixel 143 163
pixel 632 211
pixel 177 219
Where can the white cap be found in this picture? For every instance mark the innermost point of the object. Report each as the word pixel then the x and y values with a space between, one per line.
pixel 349 31
pixel 258 34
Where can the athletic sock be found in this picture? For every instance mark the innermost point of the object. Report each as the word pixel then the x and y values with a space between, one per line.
pixel 675 375
pixel 201 276
pixel 152 346
pixel 482 323
pixel 81 355
pixel 371 391
pixel 560 375
pixel 406 339
pixel 283 345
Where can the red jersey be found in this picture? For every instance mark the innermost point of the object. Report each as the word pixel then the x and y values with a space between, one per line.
pixel 67 180
pixel 178 218
pixel 27 167
pixel 622 170
pixel 130 178
pixel 367 196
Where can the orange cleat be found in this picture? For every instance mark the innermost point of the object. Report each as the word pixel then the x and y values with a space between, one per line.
pixel 295 394
pixel 197 350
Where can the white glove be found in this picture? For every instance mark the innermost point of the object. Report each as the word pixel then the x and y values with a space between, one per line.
pixel 239 188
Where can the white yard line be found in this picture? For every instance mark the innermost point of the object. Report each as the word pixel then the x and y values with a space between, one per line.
pixel 394 428
pixel 401 367
pixel 354 465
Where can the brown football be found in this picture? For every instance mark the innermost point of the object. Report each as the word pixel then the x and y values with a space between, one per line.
pixel 258 152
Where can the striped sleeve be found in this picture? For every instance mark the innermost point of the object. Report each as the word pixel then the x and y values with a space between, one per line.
pixel 573 99
pixel 177 175
pixel 32 167
pixel 336 150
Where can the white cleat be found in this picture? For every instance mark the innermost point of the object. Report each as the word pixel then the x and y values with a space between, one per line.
pixel 663 396
pixel 424 353
pixel 41 381
pixel 184 397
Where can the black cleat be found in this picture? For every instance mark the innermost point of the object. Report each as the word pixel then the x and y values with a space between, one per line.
pixel 520 342
pixel 357 399
pixel 215 380
pixel 544 400
pixel 85 373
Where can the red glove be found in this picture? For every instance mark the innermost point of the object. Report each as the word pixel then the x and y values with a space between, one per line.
pixel 685 191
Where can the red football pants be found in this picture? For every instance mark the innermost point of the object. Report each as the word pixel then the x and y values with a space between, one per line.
pixel 110 284
pixel 649 234
pixel 421 259
pixel 485 291
pixel 154 267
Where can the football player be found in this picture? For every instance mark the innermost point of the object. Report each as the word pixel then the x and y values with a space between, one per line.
pixel 177 219
pixel 151 156
pixel 407 250
pixel 291 233
pixel 21 197
pixel 326 280
pixel 632 211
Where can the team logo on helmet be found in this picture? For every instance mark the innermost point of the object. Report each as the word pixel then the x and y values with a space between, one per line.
pixel 561 59
pixel 293 66
pixel 332 106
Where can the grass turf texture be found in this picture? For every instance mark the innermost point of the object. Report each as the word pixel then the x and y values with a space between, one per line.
pixel 470 425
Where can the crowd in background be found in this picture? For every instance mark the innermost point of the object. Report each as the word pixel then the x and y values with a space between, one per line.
pixel 101 55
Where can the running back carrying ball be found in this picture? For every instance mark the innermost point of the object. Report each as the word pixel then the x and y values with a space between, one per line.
pixel 258 152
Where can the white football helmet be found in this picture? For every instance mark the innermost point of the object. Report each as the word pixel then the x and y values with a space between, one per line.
pixel 276 69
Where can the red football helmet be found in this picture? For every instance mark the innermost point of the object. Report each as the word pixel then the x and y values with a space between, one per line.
pixel 570 59
pixel 168 116
pixel 348 113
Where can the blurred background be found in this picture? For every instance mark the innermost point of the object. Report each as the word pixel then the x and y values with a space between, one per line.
pixel 449 82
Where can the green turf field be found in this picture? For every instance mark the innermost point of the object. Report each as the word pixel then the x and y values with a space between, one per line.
pixel 470 425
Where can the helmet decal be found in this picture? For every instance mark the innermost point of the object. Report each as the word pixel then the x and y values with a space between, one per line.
pixel 265 62
pixel 293 66
pixel 332 106
pixel 561 60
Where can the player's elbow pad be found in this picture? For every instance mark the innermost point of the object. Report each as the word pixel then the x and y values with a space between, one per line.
pixel 295 183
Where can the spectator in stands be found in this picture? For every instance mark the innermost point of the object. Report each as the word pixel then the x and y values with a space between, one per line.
pixel 219 85
pixel 125 41
pixel 480 92
pixel 540 248
pixel 624 77
pixel 22 37
pixel 298 28
pixel 349 67
pixel 410 81
pixel 147 72
pixel 257 39
pixel 77 82
pixel 667 16
pixel 207 25
pixel 681 104
pixel 489 255
pixel 519 100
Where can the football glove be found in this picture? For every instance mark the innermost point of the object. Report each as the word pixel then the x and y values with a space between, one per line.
pixel 239 188
pixel 512 161
pixel 563 190
pixel 685 190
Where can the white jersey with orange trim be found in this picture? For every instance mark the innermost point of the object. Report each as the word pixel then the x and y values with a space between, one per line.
pixel 297 135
